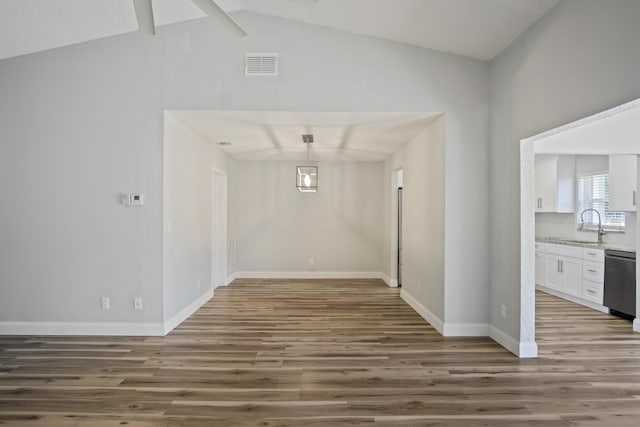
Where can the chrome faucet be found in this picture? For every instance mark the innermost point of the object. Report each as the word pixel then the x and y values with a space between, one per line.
pixel 600 229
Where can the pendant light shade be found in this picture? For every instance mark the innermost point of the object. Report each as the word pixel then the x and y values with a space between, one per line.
pixel 307 179
pixel 307 176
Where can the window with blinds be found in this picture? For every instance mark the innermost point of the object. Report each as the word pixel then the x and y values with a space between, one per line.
pixel 593 193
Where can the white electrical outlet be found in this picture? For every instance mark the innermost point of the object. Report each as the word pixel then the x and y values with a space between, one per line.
pixel 104 303
pixel 137 303
pixel 311 261
pixel 503 311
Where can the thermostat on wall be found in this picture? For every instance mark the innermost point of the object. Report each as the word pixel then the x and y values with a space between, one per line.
pixel 133 199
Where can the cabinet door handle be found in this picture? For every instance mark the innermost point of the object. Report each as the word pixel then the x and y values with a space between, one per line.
pixel 592 271
pixel 561 266
pixel 592 253
pixel 591 291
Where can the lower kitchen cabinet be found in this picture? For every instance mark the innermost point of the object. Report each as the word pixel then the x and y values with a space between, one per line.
pixel 571 272
pixel 541 265
pixel 593 291
pixel 564 274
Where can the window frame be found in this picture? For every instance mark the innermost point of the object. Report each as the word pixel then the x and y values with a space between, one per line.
pixel 579 207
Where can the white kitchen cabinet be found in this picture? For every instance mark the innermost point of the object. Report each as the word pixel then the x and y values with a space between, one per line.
pixel 593 271
pixel 573 272
pixel 623 191
pixel 591 254
pixel 593 275
pixel 540 264
pixel 592 291
pixel 553 277
pixel 546 189
pixel 564 274
pixel 555 183
pixel 571 268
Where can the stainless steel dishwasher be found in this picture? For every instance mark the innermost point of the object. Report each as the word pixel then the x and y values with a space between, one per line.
pixel 620 282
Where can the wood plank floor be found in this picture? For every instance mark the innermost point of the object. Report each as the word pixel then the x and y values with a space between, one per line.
pixel 325 353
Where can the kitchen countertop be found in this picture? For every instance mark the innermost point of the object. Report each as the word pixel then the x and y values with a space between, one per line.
pixel 586 244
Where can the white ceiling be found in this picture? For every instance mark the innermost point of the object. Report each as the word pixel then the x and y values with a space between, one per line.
pixel 269 135
pixel 474 28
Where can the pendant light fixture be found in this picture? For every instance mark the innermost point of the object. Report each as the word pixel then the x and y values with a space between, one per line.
pixel 307 176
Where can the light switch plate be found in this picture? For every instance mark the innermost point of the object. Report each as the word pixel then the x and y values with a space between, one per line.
pixel 133 199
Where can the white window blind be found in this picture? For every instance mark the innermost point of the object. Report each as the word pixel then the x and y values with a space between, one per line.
pixel 593 193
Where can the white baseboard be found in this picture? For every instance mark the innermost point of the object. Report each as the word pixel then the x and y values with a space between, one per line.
pixel 307 275
pixel 183 314
pixel 520 349
pixel 392 283
pixel 445 329
pixel 231 278
pixel 528 350
pixel 104 328
pixel 81 328
pixel 466 329
pixel 636 324
pixel 427 315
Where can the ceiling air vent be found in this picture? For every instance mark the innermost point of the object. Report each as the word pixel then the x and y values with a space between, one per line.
pixel 261 64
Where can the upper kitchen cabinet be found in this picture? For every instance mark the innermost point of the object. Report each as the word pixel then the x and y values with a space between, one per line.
pixel 623 191
pixel 555 183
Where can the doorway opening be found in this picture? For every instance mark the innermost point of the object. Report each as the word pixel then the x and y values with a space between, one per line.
pixel 611 132
pixel 399 237
pixel 219 229
pixel 396 227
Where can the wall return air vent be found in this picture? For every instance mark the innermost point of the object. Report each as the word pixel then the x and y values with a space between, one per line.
pixel 260 64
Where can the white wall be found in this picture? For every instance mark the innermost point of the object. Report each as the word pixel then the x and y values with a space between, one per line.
pixel 590 164
pixel 187 216
pixel 580 59
pixel 86 121
pixel 423 171
pixel 78 127
pixel 276 228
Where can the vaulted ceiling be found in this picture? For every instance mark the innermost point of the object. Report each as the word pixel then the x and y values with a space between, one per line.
pixel 475 28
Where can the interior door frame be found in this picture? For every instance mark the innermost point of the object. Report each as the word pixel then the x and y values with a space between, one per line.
pixel 399 251
pixel 219 206
pixel 395 223
pixel 614 131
